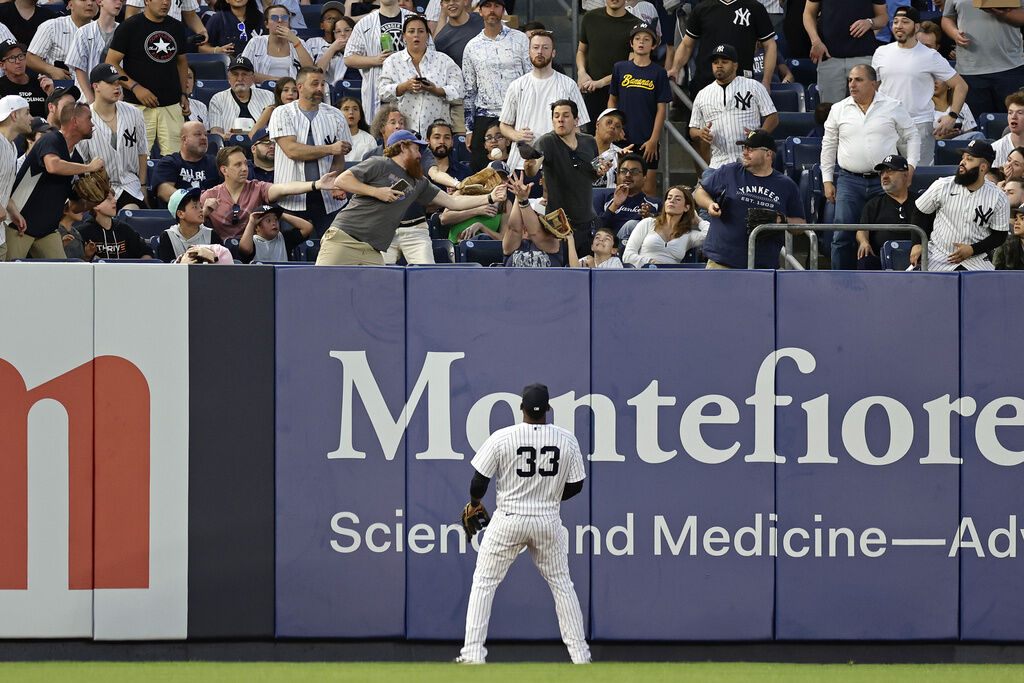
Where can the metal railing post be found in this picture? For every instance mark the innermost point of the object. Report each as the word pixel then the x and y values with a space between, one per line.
pixel 808 227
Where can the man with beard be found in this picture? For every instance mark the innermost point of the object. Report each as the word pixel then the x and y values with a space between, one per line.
pixel 188 168
pixel 381 189
pixel 43 185
pixel 966 216
pixel 628 204
pixel 894 206
pixel 525 114
pixel 312 139
pixel 860 131
pixel 261 166
pixel 439 141
pixel 908 71
pixel 236 109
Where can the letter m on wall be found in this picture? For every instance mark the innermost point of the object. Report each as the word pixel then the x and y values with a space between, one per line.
pixel 107 405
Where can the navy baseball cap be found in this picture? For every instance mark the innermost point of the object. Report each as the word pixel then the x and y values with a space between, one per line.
pixel 403 136
pixel 979 149
pixel 260 134
pixel 106 73
pixel 61 92
pixel 643 27
pixel 535 399
pixel 758 138
pixel 481 3
pixel 501 167
pixel 893 162
pixel 269 208
pixel 332 4
pixel 725 50
pixel 41 125
pixel 240 62
pixel 908 12
pixel 8 45
pixel 1017 210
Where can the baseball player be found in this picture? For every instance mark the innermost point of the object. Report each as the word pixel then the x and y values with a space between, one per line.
pixel 729 108
pixel 965 215
pixel 537 466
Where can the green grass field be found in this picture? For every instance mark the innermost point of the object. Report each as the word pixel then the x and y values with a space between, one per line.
pixel 257 672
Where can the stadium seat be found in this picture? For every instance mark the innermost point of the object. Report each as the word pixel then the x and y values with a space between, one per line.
pixel 924 176
pixel 946 152
pixel 793 124
pixel 460 150
pixel 434 227
pixel 129 260
pixel 896 255
pixel 147 222
pixel 215 143
pixel 205 90
pixel 306 251
pixel 804 71
pixel 231 244
pixel 601 197
pixel 444 251
pixel 992 125
pixel 813 97
pixel 684 264
pixel 789 96
pixel 208 67
pixel 799 154
pixel 484 252
pixel 311 13
pixel 347 88
pixel 266 85
pixel 239 140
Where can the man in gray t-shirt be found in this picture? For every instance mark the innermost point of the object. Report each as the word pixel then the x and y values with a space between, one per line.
pixel 988 52
pixel 381 189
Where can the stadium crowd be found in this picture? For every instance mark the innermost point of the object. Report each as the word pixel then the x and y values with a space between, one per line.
pixel 389 132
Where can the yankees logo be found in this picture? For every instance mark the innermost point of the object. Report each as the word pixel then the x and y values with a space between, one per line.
pixel 328 140
pixel 160 46
pixel 130 137
pixel 742 17
pixel 982 217
pixel 743 101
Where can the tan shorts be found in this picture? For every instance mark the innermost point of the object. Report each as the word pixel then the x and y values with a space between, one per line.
pixel 338 248
pixel 715 265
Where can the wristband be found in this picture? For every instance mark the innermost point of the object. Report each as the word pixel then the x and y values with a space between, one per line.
pixel 132 88
pixel 525 203
pixel 314 185
pixel 871 20
pixel 299 42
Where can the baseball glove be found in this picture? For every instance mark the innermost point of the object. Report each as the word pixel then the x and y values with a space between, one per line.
pixel 474 518
pixel 756 217
pixel 481 182
pixel 93 187
pixel 556 223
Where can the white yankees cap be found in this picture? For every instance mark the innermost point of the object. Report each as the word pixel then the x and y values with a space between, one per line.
pixel 11 104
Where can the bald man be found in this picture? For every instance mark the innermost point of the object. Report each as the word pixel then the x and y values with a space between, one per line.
pixel 191 167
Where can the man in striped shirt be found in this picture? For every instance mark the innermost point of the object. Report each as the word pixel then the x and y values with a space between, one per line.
pixel 52 42
pixel 966 216
pixel 236 109
pixel 15 120
pixel 90 45
pixel 536 467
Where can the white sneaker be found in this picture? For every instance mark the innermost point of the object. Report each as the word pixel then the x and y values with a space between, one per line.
pixel 464 660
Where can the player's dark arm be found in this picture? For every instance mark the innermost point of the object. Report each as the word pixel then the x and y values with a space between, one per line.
pixel 989 243
pixel 923 220
pixel 478 487
pixel 571 489
pixel 770 122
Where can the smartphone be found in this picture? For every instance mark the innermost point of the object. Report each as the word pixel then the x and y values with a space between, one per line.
pixel 402 185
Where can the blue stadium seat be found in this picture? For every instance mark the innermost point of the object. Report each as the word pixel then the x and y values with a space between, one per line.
pixel 147 222
pixel 896 254
pixel 804 71
pixel 799 154
pixel 793 124
pixel 239 140
pixel 924 176
pixel 444 251
pixel 206 89
pixel 311 13
pixel 992 125
pixel 813 97
pixel 347 88
pixel 460 150
pixel 601 197
pixel 231 244
pixel 807 196
pixel 789 96
pixel 946 152
pixel 215 143
pixel 484 252
pixel 266 85
pixel 130 260
pixel 208 67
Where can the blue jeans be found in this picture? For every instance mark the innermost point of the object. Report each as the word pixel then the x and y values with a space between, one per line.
pixel 987 92
pixel 852 192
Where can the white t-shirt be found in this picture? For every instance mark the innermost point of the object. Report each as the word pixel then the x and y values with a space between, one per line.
pixel 528 105
pixel 646 245
pixel 909 75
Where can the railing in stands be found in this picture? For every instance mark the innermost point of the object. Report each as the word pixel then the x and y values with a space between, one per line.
pixel 808 227
pixel 681 139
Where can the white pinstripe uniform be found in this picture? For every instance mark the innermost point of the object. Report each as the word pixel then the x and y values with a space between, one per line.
pixel 8 172
pixel 329 126
pixel 198 112
pixel 531 464
pixel 88 48
pixel 1002 147
pixel 528 105
pixel 177 7
pixel 53 39
pixel 365 41
pixel 256 51
pixel 120 151
pixel 5 33
pixel 743 103
pixel 224 109
pixel 963 217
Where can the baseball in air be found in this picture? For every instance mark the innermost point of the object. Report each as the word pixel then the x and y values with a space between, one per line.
pixel 496 153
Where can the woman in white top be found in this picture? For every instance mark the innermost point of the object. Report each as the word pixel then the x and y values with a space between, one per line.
pixel 422 81
pixel 668 236
pixel 362 141
pixel 942 99
pixel 279 53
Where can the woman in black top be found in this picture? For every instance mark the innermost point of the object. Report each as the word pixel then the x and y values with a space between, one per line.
pixel 235 22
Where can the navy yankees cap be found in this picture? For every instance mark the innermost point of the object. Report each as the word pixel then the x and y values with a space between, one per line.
pixel 644 27
pixel 908 12
pixel 500 166
pixel 106 73
pixel 8 45
pixel 260 134
pixel 893 162
pixel 979 149
pixel 332 5
pixel 535 399
pixel 240 62
pixel 61 92
pixel 268 208
pixel 1017 210
pixel 758 138
pixel 41 125
pixel 725 50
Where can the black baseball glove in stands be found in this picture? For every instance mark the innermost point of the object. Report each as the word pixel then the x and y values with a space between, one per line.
pixel 756 217
pixel 474 518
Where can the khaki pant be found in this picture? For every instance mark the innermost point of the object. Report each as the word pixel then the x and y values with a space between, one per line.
pixel 163 124
pixel 338 248
pixel 714 265
pixel 20 246
pixel 3 251
pixel 414 243
pixel 458 114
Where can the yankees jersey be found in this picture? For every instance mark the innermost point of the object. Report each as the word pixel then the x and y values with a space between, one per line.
pixel 197 111
pixel 365 42
pixel 743 103
pixel 963 217
pixel 1002 147
pixel 177 7
pixel 531 464
pixel 528 105
pixel 120 149
pixel 263 63
pixel 5 34
pixel 52 41
pixel 8 170
pixel 327 127
pixel 224 108
pixel 89 47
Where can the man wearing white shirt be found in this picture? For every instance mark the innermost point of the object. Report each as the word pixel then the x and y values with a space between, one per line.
pixel 1015 138
pixel 236 109
pixel 525 114
pixel 90 45
pixel 908 71
pixel 15 120
pixel 861 130
pixel 53 38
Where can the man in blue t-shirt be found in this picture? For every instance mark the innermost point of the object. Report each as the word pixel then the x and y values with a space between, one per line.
pixel 191 167
pixel 732 190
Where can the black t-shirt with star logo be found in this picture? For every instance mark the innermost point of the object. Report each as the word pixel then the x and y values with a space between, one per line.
pixel 150 52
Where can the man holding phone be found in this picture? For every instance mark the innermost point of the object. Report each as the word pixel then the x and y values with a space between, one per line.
pixel 381 189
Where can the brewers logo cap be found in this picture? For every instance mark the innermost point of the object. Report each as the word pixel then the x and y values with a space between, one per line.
pixel 758 138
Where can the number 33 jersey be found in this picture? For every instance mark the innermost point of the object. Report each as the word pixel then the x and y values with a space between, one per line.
pixel 530 464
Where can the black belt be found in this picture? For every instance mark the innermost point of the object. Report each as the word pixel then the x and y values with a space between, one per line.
pixel 872 174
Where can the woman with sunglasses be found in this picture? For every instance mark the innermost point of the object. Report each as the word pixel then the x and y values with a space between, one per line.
pixel 285 91
pixel 235 22
pixel 280 52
